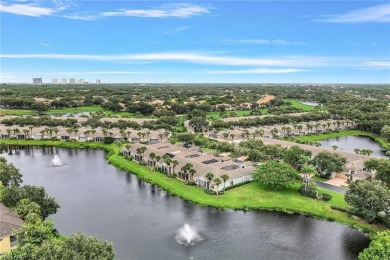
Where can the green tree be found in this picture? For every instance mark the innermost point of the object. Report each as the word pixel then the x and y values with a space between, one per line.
pixel 12 196
pixel 379 248
pixel 26 207
pixel 368 199
pixel 9 174
pixel 209 176
pixel 293 156
pixel 385 132
pixel 275 174
pixel 198 123
pixel 382 168
pixel 217 182
pixel 327 163
pixel 224 178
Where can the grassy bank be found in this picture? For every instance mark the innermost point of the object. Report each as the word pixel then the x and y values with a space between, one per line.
pixel 246 197
pixel 319 137
pixel 17 112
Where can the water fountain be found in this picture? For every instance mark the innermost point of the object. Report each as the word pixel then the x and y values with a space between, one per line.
pixel 56 161
pixel 188 235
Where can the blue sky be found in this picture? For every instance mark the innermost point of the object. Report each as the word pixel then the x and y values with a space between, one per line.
pixel 198 41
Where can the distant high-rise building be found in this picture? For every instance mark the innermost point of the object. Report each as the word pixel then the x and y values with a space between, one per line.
pixel 80 81
pixel 72 81
pixel 64 81
pixel 98 81
pixel 54 81
pixel 37 81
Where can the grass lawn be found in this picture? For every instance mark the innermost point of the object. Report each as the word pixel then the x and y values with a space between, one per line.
pixel 17 112
pixel 319 137
pixel 296 103
pixel 240 113
pixel 246 197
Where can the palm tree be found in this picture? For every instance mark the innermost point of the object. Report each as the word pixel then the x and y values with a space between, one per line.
pixel 26 133
pixel 335 147
pixel 174 164
pixel 168 161
pixel 209 176
pixel 225 135
pixel 31 127
pixel 56 130
pixel 217 182
pixel 186 168
pixel 16 131
pixel 192 171
pixel 75 131
pixel 356 150
pixel 158 158
pixel 68 130
pixel 259 132
pixel 161 135
pixel 152 156
pixel 224 178
pixel 232 136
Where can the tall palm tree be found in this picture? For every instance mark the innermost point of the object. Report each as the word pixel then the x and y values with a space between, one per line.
pixel 225 135
pixel 224 178
pixel 152 156
pixel 174 164
pixel 26 133
pixel 209 176
pixel 217 182
pixel 168 161
pixel 192 171
pixel 31 127
pixel 232 136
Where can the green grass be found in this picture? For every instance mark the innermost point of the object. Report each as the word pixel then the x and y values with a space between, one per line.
pixel 320 179
pixel 240 113
pixel 246 197
pixel 296 103
pixel 319 137
pixel 17 112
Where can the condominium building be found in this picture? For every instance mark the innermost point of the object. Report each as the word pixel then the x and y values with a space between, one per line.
pixel 54 81
pixel 64 81
pixel 37 81
pixel 72 81
pixel 98 81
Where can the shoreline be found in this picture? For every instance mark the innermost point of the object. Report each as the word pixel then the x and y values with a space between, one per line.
pixel 319 137
pixel 236 199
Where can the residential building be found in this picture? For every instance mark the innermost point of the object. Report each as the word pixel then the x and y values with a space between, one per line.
pixel 54 81
pixel 80 81
pixel 72 81
pixel 98 81
pixel 37 81
pixel 9 223
pixel 64 81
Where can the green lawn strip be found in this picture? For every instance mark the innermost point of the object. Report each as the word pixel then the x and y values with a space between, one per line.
pixel 249 196
pixel 297 104
pixel 17 112
pixel 319 179
pixel 240 113
pixel 319 137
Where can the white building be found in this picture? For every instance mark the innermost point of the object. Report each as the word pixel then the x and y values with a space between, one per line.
pixel 54 81
pixel 80 81
pixel 64 81
pixel 98 81
pixel 37 81
pixel 72 81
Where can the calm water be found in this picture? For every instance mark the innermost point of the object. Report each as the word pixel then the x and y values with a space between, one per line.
pixel 310 103
pixel 349 143
pixel 142 220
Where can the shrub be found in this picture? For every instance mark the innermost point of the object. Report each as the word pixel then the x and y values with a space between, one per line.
pixel 310 191
pixel 209 191
pixel 345 210
pixel 191 183
pixel 326 196
pixel 108 140
pixel 142 163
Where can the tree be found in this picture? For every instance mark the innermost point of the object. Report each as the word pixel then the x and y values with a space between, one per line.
pixel 209 176
pixel 9 174
pixel 327 163
pixel 385 132
pixel 35 234
pixel 368 199
pixel 293 156
pixel 382 168
pixel 186 138
pixel 275 174
pixel 12 196
pixel 198 123
pixel 379 248
pixel 334 147
pixel 217 182
pixel 26 207
pixel 224 178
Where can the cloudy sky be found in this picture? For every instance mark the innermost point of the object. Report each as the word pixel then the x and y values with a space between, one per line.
pixel 198 41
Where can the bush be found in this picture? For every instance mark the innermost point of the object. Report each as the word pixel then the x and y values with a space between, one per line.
pixel 142 163
pixel 345 210
pixel 326 196
pixel 209 192
pixel 310 191
pixel 108 140
pixel 191 183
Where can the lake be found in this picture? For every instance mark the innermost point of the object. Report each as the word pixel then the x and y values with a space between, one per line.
pixel 310 103
pixel 349 143
pixel 142 220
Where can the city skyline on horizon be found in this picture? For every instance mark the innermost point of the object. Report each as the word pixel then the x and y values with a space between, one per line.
pixel 196 42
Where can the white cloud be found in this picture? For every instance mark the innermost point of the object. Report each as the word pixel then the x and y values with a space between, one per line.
pixel 177 30
pixel 180 10
pixel 263 42
pixel 189 57
pixel 45 44
pixel 95 73
pixel 380 13
pixel 84 17
pixel 378 64
pixel 256 71
pixel 27 10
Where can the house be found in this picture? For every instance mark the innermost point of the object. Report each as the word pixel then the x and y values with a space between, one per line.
pixel 153 140
pixel 135 139
pixel 5 135
pixel 20 136
pixel 37 136
pixel 65 137
pixel 82 138
pixel 9 223
pixel 355 171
